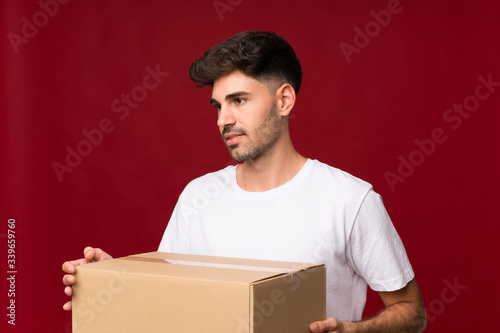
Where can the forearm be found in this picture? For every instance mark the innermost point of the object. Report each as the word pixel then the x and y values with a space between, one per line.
pixel 403 317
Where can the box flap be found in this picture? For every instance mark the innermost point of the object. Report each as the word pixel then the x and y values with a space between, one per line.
pixel 227 260
pixel 197 267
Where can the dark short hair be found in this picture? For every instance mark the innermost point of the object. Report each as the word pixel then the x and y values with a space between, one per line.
pixel 259 54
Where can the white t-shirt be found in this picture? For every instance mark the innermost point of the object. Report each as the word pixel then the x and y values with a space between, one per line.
pixel 322 215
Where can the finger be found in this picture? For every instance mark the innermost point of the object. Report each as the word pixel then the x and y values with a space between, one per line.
pixel 93 254
pixel 67 306
pixel 328 325
pixel 68 291
pixel 69 266
pixel 68 279
pixel 89 253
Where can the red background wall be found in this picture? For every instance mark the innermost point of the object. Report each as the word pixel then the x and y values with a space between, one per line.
pixel 361 115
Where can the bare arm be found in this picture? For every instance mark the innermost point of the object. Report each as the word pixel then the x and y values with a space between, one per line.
pixel 404 312
pixel 90 255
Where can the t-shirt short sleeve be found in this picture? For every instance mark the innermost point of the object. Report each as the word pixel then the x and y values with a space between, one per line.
pixel 375 250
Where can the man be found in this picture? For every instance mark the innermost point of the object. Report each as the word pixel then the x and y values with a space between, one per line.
pixel 279 205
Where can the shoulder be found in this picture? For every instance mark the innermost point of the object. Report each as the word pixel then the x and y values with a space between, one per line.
pixel 334 179
pixel 211 181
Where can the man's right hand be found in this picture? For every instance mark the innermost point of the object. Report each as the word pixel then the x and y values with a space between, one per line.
pixel 90 255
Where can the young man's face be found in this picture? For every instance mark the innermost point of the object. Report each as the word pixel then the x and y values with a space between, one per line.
pixel 247 117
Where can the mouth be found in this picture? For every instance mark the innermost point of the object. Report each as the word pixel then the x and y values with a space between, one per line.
pixel 232 138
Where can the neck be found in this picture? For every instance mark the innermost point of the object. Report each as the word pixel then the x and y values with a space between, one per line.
pixel 275 168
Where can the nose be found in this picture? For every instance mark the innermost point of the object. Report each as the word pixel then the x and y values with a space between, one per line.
pixel 225 117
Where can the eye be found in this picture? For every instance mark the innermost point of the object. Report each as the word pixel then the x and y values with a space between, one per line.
pixel 217 106
pixel 239 101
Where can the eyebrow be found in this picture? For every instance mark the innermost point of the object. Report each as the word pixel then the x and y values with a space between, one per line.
pixel 236 94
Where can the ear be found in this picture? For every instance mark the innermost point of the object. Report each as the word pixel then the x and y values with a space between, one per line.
pixel 285 99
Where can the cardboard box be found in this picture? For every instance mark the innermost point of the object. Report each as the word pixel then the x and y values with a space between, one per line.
pixel 165 292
